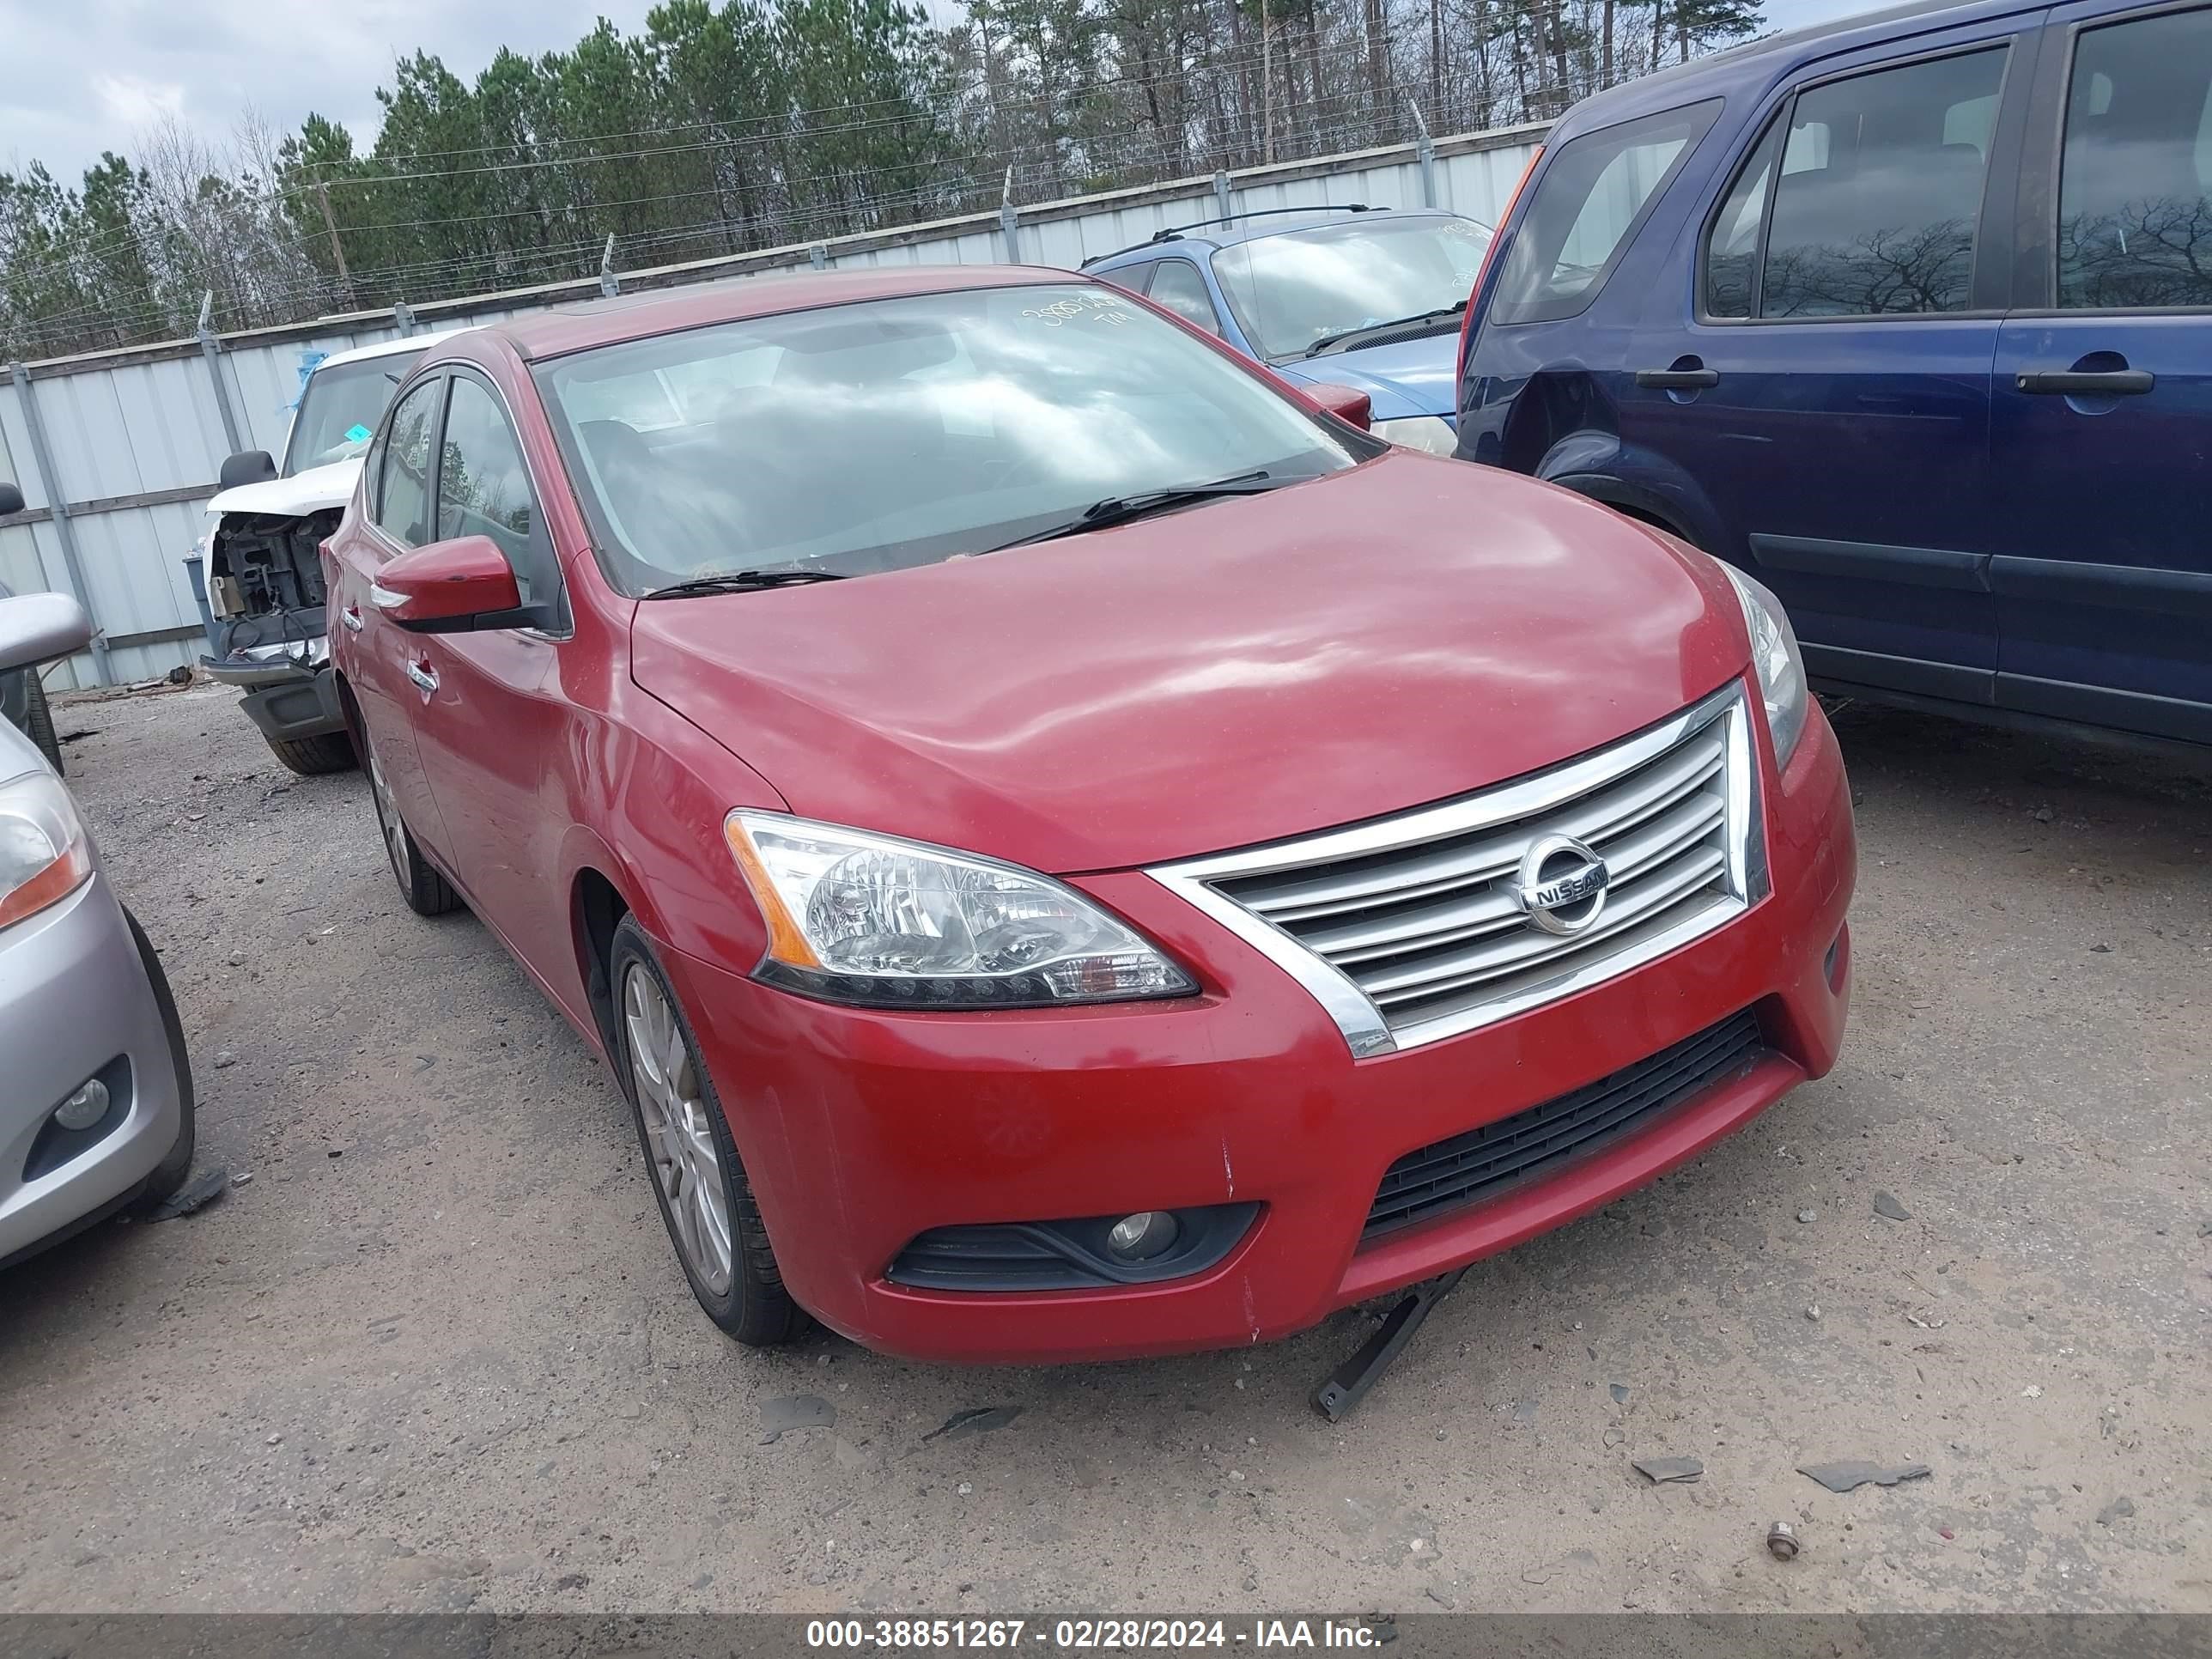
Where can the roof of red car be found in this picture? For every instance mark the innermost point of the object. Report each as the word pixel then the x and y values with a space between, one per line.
pixel 631 317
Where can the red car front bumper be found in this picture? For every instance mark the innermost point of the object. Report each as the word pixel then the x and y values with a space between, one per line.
pixel 861 1129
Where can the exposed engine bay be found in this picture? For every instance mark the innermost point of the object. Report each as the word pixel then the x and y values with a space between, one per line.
pixel 264 577
pixel 265 598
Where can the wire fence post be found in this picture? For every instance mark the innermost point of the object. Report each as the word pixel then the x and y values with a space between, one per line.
pixel 1223 195
pixel 610 284
pixel 211 350
pixel 1009 221
pixel 1424 148
pixel 42 463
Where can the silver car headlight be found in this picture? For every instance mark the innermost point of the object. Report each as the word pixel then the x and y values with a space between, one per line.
pixel 1429 432
pixel 44 855
pixel 882 922
pixel 1781 666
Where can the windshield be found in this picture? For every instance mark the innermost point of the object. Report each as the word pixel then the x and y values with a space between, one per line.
pixel 340 408
pixel 861 438
pixel 1292 290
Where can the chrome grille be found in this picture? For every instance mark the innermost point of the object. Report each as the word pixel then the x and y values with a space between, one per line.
pixel 1412 928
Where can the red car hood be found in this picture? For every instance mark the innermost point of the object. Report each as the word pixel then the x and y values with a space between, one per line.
pixel 1248 669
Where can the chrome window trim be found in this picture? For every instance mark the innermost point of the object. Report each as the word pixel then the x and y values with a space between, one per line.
pixel 1355 1014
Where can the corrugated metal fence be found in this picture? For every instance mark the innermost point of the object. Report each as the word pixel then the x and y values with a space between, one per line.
pixel 127 443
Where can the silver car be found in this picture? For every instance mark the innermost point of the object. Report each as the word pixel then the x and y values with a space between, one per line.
pixel 95 1089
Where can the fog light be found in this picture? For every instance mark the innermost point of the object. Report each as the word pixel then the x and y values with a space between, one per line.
pixel 83 1108
pixel 1141 1236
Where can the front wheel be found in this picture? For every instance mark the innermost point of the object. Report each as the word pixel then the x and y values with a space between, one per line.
pixel 326 752
pixel 169 1173
pixel 704 1196
pixel 38 721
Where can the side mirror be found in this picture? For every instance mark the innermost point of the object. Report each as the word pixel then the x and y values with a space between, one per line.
pixel 247 467
pixel 11 500
pixel 450 587
pixel 1347 404
pixel 36 628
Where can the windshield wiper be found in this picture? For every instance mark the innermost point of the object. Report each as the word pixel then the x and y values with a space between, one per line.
pixel 742 581
pixel 1119 509
pixel 1328 342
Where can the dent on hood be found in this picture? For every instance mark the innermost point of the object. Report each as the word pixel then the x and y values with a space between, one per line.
pixel 1349 646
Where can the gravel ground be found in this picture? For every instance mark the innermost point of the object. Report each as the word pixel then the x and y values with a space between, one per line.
pixel 437 1354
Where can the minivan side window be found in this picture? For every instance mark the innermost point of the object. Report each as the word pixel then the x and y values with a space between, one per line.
pixel 1591 196
pixel 2134 183
pixel 1880 194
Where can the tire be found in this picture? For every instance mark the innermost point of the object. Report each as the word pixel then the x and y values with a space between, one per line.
pixel 311 757
pixel 747 1298
pixel 169 1173
pixel 38 721
pixel 427 892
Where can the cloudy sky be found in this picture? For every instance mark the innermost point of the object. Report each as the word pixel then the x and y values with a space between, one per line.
pixel 85 75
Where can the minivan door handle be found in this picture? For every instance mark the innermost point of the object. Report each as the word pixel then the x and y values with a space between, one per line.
pixel 2087 383
pixel 350 616
pixel 1678 380
pixel 424 675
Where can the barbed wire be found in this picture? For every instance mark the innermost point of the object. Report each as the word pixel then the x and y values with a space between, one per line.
pixel 750 168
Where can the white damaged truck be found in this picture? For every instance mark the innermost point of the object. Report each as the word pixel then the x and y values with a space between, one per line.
pixel 262 566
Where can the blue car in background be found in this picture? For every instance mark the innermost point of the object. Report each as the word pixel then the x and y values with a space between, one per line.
pixel 1370 298
pixel 1911 316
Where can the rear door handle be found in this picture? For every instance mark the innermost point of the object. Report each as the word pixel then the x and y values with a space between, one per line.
pixel 351 617
pixel 2087 383
pixel 1678 380
pixel 424 675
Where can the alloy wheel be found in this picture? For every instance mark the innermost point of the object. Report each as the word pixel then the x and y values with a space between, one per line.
pixel 678 1133
pixel 388 820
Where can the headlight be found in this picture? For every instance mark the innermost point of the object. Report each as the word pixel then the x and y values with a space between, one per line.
pixel 1774 653
pixel 858 918
pixel 44 854
pixel 1429 432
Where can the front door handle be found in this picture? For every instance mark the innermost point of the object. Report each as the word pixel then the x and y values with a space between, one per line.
pixel 1678 380
pixel 424 675
pixel 2087 383
pixel 351 617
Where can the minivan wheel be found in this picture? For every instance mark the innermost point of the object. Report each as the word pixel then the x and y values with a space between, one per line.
pixel 697 1179
pixel 427 892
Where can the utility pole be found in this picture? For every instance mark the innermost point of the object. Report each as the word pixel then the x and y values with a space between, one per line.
pixel 337 248
pixel 1267 80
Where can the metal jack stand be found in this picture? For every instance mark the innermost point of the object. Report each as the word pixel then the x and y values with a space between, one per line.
pixel 1348 1385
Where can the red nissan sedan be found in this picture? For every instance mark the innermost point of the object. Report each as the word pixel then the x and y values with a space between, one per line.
pixel 1071 848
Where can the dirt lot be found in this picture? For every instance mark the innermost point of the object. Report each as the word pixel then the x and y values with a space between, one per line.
pixel 436 1353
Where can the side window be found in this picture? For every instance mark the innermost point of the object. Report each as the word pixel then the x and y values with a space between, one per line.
pixel 1731 280
pixel 1177 285
pixel 1136 278
pixel 1881 191
pixel 402 500
pixel 484 487
pixel 2134 183
pixel 1591 196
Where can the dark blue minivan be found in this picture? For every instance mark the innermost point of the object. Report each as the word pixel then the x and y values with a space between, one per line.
pixel 1911 317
